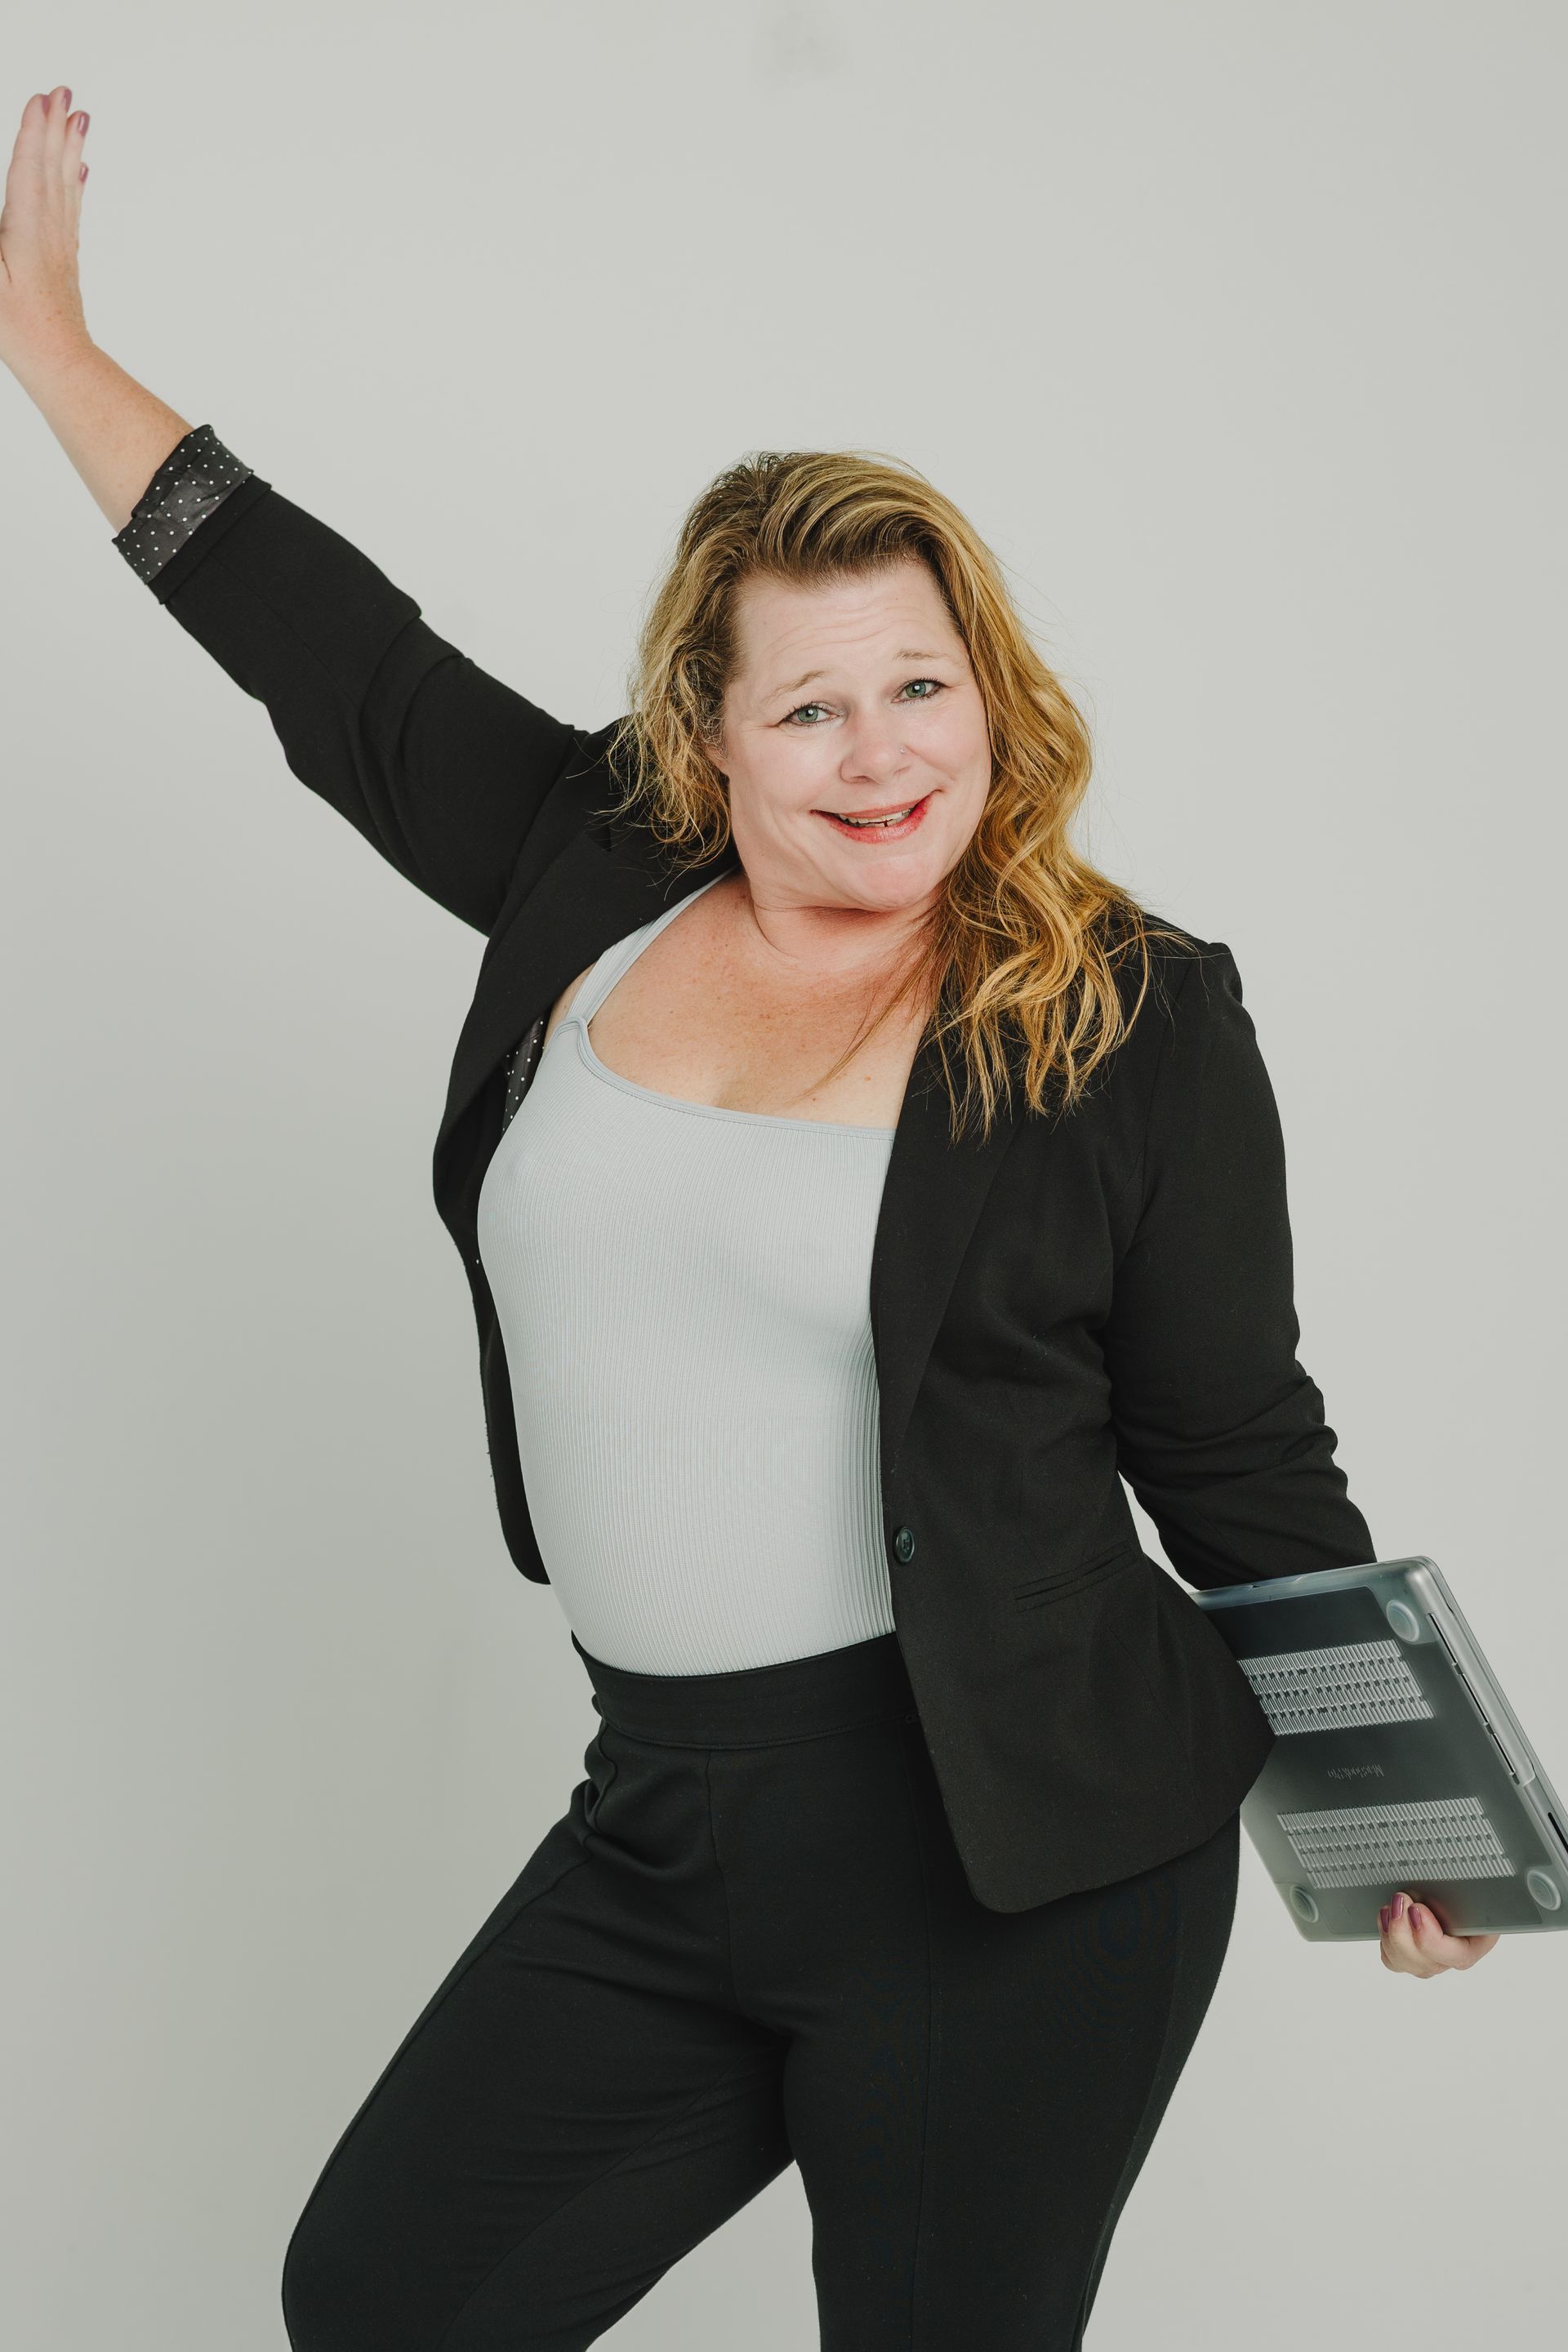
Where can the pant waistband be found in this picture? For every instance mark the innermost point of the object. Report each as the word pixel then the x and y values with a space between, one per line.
pixel 755 1706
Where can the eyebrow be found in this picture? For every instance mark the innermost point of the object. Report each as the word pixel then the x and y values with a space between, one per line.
pixel 905 652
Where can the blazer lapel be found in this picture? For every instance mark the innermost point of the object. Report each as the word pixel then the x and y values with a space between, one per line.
pixel 931 1199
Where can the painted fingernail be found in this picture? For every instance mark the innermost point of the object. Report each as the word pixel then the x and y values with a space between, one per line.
pixel 1416 1914
pixel 1383 1918
pixel 81 126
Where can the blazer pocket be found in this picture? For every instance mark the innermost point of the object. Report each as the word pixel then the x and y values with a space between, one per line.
pixel 1039 1591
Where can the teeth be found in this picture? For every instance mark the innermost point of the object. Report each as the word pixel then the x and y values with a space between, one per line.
pixel 865 821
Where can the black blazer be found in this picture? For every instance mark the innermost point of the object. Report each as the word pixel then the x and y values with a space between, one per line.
pixel 1074 1302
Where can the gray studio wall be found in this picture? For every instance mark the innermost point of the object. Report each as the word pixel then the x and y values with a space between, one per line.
pixel 1237 330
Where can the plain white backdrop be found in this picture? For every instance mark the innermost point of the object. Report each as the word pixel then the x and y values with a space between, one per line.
pixel 1237 330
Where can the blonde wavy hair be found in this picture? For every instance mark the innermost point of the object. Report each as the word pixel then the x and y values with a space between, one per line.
pixel 1019 961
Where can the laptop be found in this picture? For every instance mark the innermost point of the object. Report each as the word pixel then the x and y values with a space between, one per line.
pixel 1397 1761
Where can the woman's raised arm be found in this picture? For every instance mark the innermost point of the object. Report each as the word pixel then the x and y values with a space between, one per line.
pixel 439 766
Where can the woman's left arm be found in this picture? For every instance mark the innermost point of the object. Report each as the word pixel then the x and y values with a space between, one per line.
pixel 1220 1431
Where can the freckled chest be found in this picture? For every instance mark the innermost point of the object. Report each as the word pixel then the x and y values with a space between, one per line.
pixel 695 1017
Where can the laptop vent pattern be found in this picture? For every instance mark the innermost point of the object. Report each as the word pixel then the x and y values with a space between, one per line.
pixel 1335 1690
pixel 1367 1845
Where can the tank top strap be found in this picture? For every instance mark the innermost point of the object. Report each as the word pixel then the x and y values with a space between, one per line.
pixel 618 958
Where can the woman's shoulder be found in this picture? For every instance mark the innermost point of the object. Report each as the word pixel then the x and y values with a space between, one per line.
pixel 1157 959
pixel 1181 998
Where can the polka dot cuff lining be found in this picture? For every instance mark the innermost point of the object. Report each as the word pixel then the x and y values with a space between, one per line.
pixel 195 476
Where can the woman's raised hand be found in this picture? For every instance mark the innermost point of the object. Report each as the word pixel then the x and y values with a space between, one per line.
pixel 1414 1945
pixel 40 290
pixel 114 431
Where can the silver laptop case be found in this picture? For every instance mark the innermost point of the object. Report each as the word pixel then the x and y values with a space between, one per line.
pixel 1397 1761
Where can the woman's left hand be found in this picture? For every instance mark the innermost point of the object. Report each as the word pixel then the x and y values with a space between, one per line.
pixel 1414 1945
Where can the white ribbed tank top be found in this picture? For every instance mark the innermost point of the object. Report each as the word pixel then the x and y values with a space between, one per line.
pixel 684 1296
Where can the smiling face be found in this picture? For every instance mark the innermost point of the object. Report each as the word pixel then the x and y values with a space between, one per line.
pixel 852 698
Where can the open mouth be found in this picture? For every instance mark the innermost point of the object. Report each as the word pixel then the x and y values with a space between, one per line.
pixel 878 825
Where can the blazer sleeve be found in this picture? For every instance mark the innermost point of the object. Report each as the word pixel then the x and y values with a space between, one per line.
pixel 1220 1432
pixel 441 767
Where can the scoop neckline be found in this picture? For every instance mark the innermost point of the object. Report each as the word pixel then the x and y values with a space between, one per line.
pixel 588 1054
pixel 591 1062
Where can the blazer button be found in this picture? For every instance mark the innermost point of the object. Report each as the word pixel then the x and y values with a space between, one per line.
pixel 904 1544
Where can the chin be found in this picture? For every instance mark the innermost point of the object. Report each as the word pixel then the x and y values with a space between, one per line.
pixel 897 886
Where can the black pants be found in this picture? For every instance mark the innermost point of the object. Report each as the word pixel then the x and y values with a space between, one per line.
pixel 748 1942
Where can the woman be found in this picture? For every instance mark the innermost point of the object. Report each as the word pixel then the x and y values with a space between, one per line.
pixel 853 1186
